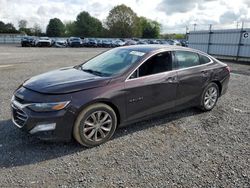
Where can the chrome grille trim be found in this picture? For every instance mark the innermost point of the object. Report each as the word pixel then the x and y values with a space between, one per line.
pixel 19 117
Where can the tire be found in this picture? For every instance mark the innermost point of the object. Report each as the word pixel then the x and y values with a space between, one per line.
pixel 95 125
pixel 209 97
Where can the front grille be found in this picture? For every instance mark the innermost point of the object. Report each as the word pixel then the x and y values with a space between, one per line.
pixel 19 116
pixel 18 99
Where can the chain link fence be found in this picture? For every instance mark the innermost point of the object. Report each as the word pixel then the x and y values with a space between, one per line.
pixel 10 38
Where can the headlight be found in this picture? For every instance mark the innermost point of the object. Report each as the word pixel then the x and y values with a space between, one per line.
pixel 48 107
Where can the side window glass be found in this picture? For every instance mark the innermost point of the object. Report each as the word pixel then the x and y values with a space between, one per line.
pixel 186 59
pixel 161 62
pixel 134 75
pixel 204 59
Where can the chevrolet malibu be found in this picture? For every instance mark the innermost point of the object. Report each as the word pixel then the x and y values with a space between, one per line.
pixel 90 101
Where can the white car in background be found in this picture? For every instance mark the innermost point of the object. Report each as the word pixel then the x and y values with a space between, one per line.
pixel 43 41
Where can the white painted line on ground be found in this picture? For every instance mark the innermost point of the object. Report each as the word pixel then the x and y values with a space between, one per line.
pixel 4 66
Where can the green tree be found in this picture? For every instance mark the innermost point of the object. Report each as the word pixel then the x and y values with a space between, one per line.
pixel 122 21
pixel 180 36
pixel 22 24
pixel 7 28
pixel 149 28
pixel 36 30
pixel 55 28
pixel 173 36
pixel 70 29
pixel 26 31
pixel 87 26
pixel 2 27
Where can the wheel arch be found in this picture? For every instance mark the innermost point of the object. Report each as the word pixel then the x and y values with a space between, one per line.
pixel 104 101
pixel 219 85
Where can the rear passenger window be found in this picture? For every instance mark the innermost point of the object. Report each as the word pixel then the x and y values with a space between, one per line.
pixel 204 59
pixel 186 59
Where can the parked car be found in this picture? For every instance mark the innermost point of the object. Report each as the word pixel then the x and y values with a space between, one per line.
pixel 106 43
pixel 164 42
pixel 91 43
pixel 142 42
pixel 60 43
pixel 184 42
pixel 43 42
pixel 173 42
pixel 85 42
pixel 99 42
pixel 130 42
pixel 27 41
pixel 117 43
pixel 152 41
pixel 75 42
pixel 118 87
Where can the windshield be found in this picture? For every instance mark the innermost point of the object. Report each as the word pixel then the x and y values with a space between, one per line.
pixel 112 62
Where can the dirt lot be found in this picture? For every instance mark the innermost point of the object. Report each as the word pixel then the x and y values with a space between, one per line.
pixel 184 149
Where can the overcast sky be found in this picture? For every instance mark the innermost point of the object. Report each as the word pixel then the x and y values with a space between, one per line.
pixel 174 15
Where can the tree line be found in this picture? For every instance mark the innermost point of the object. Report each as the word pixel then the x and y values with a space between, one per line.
pixel 121 22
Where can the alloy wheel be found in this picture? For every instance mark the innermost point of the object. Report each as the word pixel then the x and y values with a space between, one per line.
pixel 210 98
pixel 97 126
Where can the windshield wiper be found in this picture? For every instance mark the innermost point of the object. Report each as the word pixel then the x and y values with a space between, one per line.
pixel 98 73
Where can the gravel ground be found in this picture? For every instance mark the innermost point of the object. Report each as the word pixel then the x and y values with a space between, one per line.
pixel 183 149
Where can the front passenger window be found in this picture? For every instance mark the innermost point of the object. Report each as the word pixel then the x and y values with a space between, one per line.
pixel 186 59
pixel 161 62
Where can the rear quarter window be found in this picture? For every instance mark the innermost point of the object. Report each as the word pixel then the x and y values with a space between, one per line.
pixel 204 59
pixel 186 59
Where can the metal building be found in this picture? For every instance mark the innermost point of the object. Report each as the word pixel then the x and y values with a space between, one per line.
pixel 229 43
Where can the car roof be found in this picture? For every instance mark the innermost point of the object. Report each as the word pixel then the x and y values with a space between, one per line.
pixel 151 48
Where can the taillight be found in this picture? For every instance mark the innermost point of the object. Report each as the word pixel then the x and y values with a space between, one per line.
pixel 228 68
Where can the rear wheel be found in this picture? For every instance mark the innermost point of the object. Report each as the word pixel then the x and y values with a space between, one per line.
pixel 209 97
pixel 95 125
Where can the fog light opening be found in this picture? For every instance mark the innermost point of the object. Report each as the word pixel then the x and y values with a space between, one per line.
pixel 43 127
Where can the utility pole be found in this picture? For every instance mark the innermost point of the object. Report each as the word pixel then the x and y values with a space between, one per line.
pixel 237 25
pixel 209 38
pixel 195 26
pixel 187 32
pixel 240 41
pixel 210 27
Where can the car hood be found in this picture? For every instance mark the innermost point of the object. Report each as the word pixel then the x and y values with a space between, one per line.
pixel 65 80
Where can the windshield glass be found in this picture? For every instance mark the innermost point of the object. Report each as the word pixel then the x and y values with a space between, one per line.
pixel 112 62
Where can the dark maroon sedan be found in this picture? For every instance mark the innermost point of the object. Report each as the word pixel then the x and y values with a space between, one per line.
pixel 118 87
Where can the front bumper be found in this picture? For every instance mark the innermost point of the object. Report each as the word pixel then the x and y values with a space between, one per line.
pixel 43 44
pixel 56 126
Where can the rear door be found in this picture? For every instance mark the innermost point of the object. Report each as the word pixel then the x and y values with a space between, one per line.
pixel 192 77
pixel 152 87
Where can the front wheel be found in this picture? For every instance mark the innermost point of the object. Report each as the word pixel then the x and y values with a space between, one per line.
pixel 95 125
pixel 209 97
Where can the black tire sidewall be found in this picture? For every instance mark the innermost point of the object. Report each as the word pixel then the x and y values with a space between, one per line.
pixel 89 143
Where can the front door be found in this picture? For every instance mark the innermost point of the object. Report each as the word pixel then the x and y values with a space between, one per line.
pixel 152 87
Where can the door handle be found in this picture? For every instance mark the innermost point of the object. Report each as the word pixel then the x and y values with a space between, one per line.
pixel 171 79
pixel 204 73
